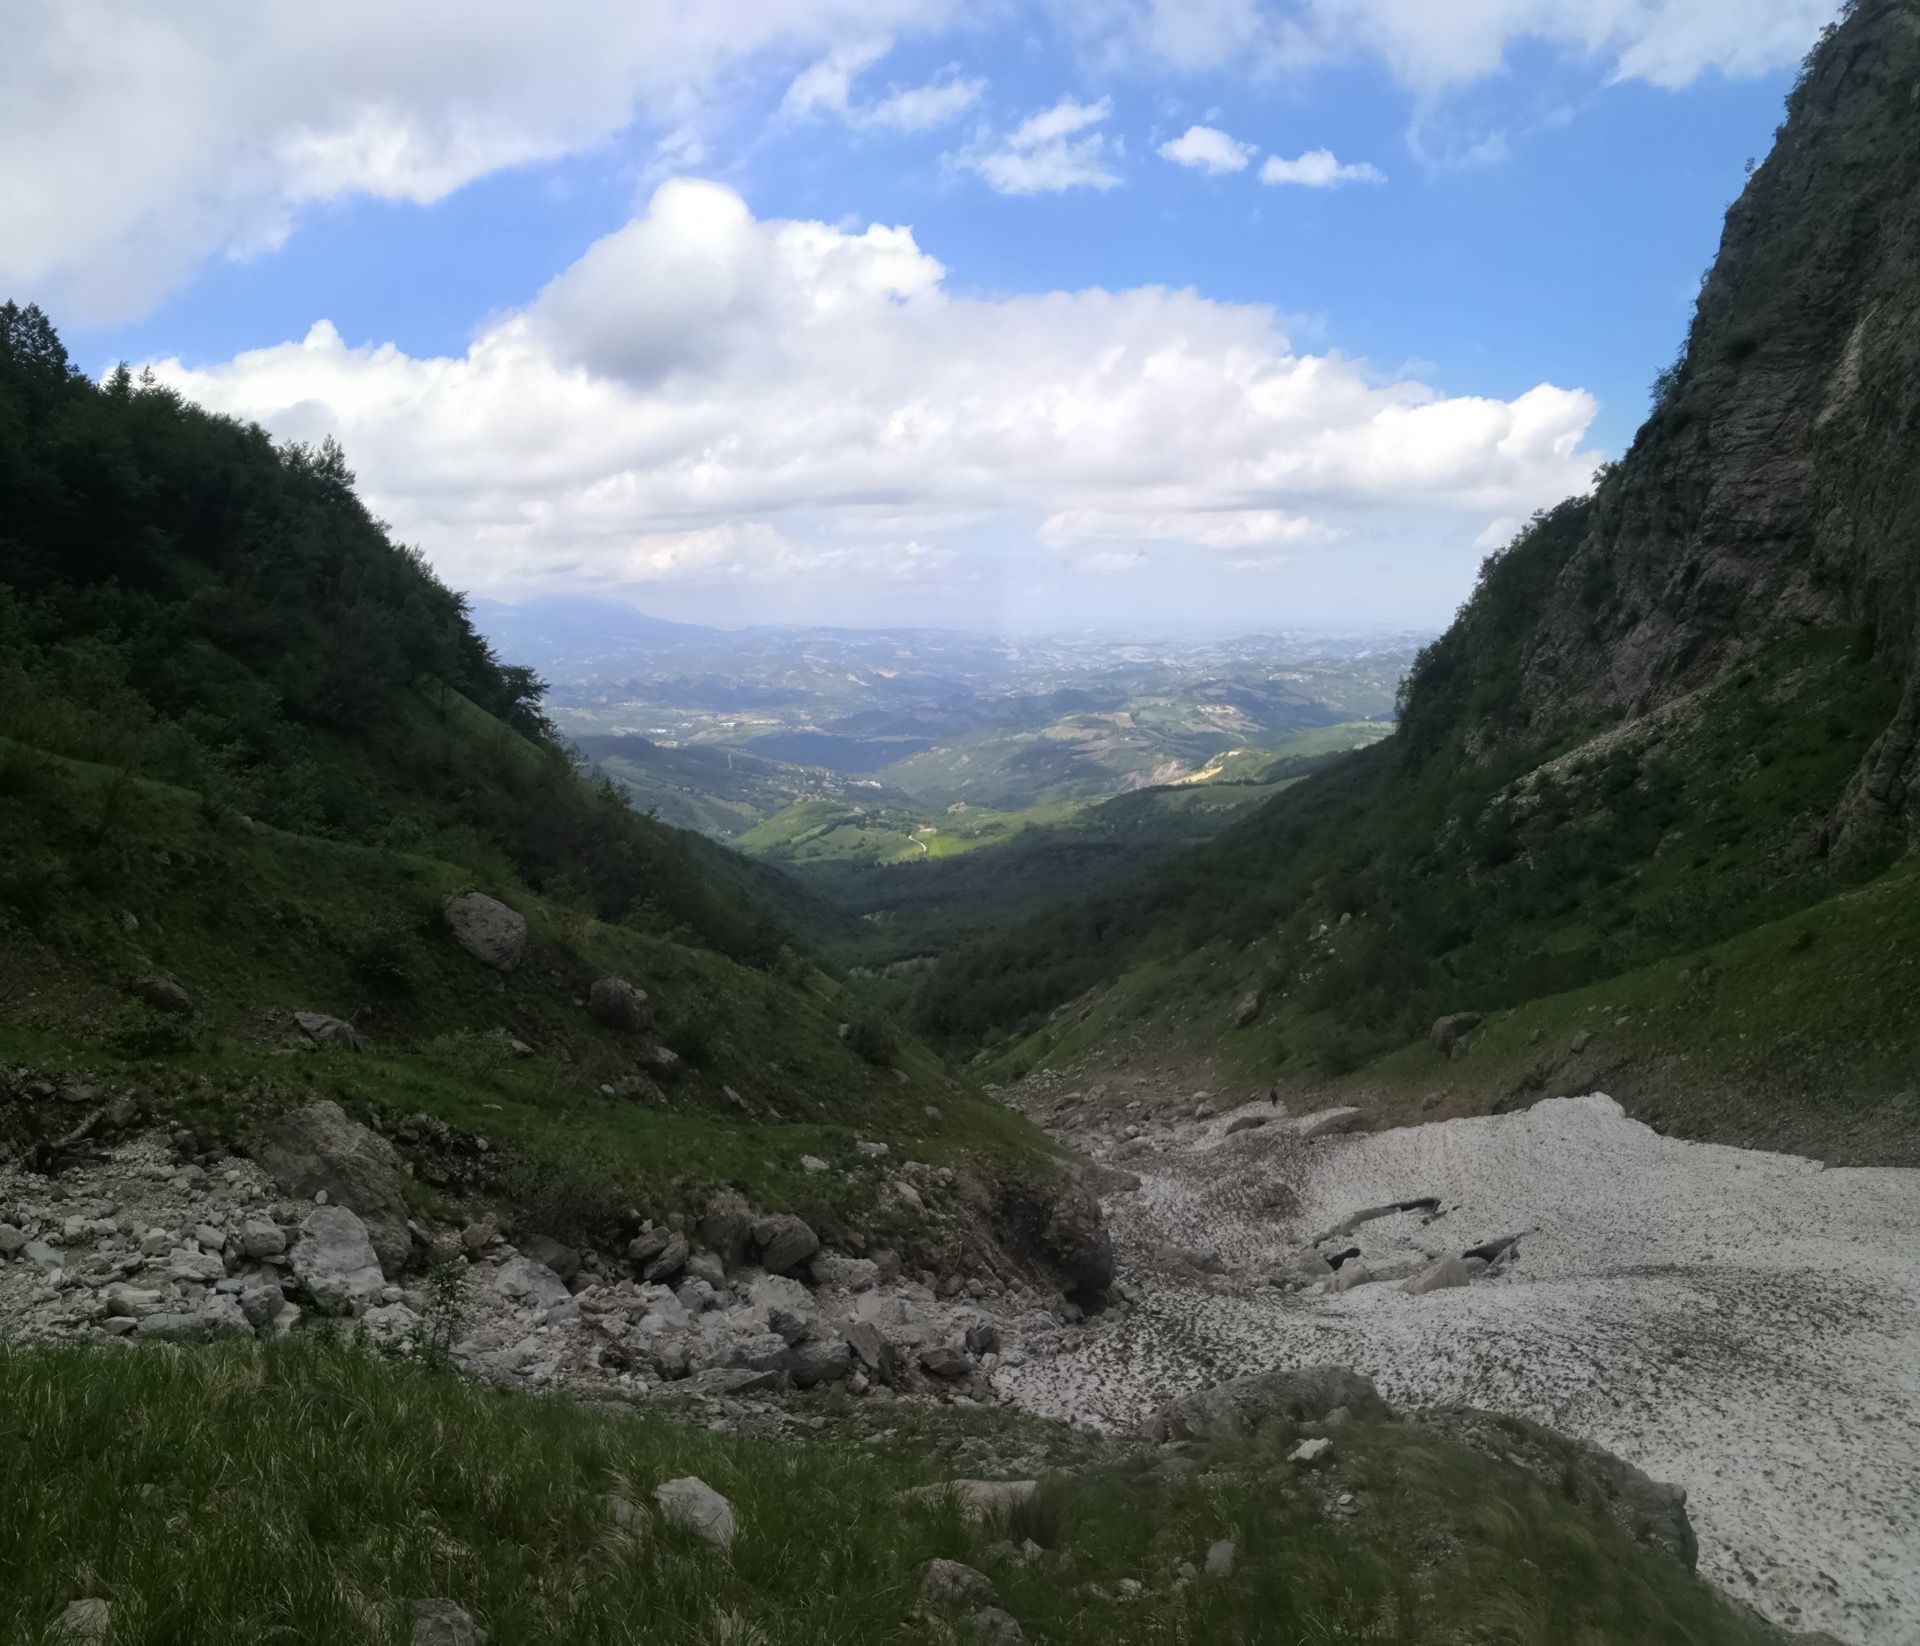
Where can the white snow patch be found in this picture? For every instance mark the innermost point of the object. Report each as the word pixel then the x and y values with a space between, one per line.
pixel 1744 1324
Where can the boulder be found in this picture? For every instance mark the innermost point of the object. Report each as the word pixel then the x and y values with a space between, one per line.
pixel 1305 1395
pixel 1245 1123
pixel 328 1033
pixel 726 1226
pixel 784 1242
pixel 335 1263
pixel 1222 1557
pixel 564 1261
pixel 948 1364
pixel 1444 1273
pixel 950 1586
pixel 851 1274
pixel 618 1005
pixel 441 1623
pixel 1350 1275
pixel 525 1281
pixel 668 1261
pixel 664 1061
pixel 1310 1451
pixel 487 929
pixel 1449 1030
pixel 1247 1010
pixel 875 1352
pixel 319 1148
pixel 827 1360
pixel 691 1503
pixel 163 994
pixel 704 1266
pixel 261 1237
pixel 993 1627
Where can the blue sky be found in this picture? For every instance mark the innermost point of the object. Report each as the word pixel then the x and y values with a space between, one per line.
pixel 896 312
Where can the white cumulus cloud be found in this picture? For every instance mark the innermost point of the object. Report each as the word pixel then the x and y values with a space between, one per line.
pixel 1208 149
pixel 142 139
pixel 706 395
pixel 1318 169
pixel 827 87
pixel 1050 152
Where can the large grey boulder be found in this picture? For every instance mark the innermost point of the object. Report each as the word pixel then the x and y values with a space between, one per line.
pixel 335 1263
pixel 1330 1123
pixel 522 1280
pixel 822 1361
pixel 784 1242
pixel 1247 1010
pixel 691 1503
pixel 321 1148
pixel 1305 1394
pixel 328 1033
pixel 487 929
pixel 616 1003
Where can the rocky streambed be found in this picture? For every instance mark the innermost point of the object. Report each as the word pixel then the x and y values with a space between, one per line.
pixel 1745 1325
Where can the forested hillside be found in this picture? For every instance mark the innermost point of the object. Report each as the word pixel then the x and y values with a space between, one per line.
pixel 251 749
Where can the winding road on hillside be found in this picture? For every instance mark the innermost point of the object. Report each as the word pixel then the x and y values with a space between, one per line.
pixel 1746 1325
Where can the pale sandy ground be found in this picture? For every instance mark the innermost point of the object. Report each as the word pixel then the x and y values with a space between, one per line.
pixel 1744 1324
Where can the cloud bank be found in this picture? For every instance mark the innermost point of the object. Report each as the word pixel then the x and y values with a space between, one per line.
pixel 705 396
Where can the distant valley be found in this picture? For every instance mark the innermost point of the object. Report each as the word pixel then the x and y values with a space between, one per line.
pixel 846 756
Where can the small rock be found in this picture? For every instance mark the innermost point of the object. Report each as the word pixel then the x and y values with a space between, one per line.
pixel 616 1003
pixel 163 994
pixel 1310 1451
pixel 1222 1557
pixel 441 1623
pixel 813 1164
pixel 950 1586
pixel 328 1033
pixel 948 1364
pixel 84 1622
pixel 996 1628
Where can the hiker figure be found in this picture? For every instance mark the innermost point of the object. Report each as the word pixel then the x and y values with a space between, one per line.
pixel 1273 1097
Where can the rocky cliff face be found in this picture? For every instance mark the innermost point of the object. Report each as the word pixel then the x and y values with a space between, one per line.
pixel 1776 487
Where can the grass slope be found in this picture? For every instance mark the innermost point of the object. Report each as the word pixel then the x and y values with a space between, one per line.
pixel 307 1492
pixel 1392 889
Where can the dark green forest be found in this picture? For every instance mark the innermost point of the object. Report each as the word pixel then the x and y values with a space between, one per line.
pixel 183 599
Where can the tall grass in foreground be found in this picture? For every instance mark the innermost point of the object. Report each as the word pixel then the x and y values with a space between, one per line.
pixel 306 1491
